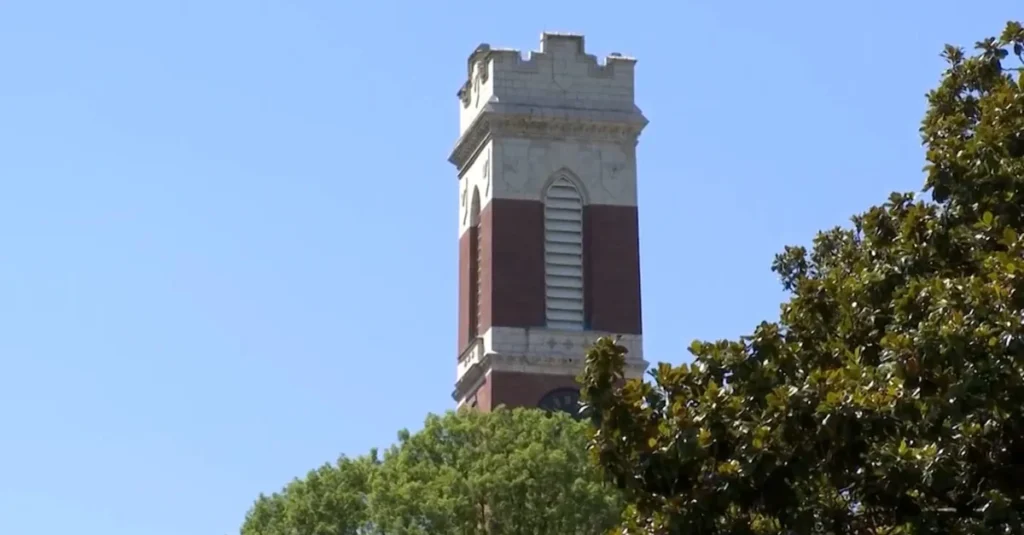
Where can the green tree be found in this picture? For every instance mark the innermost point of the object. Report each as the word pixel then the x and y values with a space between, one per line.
pixel 331 500
pixel 508 472
pixel 889 395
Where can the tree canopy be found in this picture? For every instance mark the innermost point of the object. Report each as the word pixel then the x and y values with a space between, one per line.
pixel 888 397
pixel 507 472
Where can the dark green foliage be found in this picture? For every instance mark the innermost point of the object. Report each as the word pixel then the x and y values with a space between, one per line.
pixel 510 472
pixel 889 395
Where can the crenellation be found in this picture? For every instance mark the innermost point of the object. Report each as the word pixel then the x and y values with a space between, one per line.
pixel 562 44
pixel 560 74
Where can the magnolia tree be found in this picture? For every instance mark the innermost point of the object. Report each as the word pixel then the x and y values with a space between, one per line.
pixel 889 395
pixel 509 472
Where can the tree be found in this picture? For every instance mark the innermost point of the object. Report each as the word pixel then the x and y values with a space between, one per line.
pixel 331 500
pixel 507 472
pixel 889 395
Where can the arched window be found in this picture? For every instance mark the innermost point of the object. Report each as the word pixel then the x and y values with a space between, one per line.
pixel 563 255
pixel 475 238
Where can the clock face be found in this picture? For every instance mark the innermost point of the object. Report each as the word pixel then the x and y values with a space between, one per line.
pixel 562 399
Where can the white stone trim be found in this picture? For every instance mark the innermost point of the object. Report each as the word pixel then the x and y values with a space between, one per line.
pixel 521 168
pixel 477 178
pixel 470 388
pixel 532 120
pixel 536 350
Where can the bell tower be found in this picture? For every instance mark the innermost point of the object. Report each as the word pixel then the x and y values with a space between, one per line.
pixel 548 232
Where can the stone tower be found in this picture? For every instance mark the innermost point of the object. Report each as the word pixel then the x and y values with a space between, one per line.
pixel 548 232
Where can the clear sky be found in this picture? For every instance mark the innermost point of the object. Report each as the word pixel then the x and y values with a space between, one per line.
pixel 228 228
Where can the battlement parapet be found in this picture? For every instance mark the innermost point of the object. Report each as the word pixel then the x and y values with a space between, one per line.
pixel 560 75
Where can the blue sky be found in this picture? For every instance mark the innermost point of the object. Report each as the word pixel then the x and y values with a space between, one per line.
pixel 228 227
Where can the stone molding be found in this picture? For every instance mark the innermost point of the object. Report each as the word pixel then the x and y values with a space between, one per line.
pixel 523 121
pixel 492 362
pixel 542 352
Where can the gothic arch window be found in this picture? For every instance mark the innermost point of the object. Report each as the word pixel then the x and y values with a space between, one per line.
pixel 563 255
pixel 475 269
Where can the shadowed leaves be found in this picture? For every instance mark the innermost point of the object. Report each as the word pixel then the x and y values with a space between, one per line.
pixel 889 395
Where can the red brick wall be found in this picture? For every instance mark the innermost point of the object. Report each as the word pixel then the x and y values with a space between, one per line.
pixel 517 293
pixel 612 270
pixel 519 389
pixel 512 268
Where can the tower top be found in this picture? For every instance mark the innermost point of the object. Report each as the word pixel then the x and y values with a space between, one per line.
pixel 560 81
pixel 549 252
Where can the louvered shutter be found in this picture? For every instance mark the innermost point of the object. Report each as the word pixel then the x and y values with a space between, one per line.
pixel 479 278
pixel 563 256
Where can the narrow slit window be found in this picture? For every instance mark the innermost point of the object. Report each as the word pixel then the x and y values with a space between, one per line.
pixel 475 267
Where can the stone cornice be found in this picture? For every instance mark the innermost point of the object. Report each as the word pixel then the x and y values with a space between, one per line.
pixel 481 364
pixel 523 121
